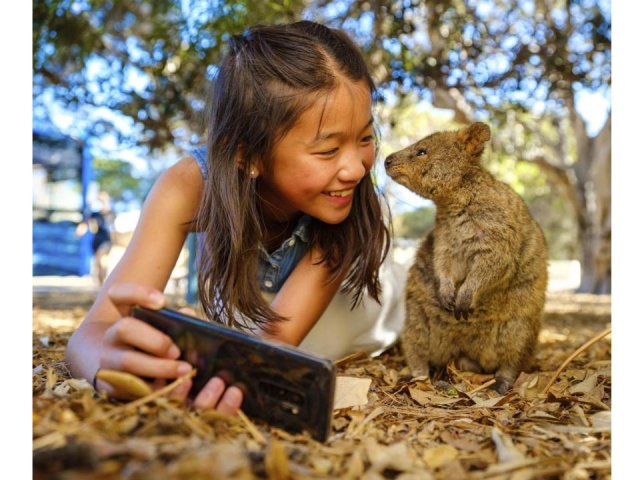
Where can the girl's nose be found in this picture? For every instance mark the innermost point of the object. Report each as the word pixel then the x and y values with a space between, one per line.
pixel 352 168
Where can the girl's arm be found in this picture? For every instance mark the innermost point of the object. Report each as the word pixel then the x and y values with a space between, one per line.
pixel 303 299
pixel 110 338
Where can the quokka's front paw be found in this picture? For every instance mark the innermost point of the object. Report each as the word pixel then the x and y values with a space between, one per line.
pixel 463 306
pixel 447 296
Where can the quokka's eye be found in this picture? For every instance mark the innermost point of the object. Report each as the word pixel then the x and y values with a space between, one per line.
pixel 421 152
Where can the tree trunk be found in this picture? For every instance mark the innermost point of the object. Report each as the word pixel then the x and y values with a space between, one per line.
pixel 595 234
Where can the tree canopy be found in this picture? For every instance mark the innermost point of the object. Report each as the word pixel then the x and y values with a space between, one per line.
pixel 148 62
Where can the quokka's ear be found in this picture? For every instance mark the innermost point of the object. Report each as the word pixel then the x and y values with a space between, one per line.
pixel 474 137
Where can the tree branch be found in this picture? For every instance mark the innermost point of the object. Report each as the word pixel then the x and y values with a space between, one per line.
pixel 452 99
pixel 559 176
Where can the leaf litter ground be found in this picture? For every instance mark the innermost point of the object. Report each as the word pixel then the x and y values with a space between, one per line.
pixel 554 423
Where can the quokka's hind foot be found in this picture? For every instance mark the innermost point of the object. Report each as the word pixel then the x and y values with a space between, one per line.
pixel 504 382
pixel 437 374
pixel 465 364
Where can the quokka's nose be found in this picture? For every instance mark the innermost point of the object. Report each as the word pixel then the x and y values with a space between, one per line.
pixel 388 161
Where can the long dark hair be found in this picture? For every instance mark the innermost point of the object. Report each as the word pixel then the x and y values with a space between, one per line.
pixel 268 78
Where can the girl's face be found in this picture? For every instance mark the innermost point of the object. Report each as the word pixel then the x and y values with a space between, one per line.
pixel 318 163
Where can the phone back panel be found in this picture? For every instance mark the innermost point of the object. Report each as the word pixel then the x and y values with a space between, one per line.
pixel 282 385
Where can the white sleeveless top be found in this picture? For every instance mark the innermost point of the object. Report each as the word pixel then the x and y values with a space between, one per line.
pixel 370 327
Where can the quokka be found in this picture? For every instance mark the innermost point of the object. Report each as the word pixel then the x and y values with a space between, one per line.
pixel 476 290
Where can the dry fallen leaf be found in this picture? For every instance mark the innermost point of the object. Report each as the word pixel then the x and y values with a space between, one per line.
pixel 437 456
pixel 126 383
pixel 507 451
pixel 396 456
pixel 351 392
pixel 586 386
pixel 277 462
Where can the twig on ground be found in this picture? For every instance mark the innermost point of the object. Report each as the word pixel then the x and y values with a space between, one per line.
pixel 253 430
pixel 481 387
pixel 555 376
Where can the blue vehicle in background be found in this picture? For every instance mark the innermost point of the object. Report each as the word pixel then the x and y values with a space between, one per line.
pixel 62 174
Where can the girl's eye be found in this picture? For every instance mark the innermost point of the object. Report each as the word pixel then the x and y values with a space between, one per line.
pixel 367 139
pixel 329 152
pixel 421 152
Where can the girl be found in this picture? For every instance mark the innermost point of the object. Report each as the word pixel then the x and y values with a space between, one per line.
pixel 292 232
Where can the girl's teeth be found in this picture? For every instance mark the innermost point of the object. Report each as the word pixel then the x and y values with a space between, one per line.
pixel 344 193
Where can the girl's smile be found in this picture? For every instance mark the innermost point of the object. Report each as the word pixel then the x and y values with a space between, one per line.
pixel 341 198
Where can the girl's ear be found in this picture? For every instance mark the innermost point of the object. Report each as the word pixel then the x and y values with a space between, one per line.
pixel 253 168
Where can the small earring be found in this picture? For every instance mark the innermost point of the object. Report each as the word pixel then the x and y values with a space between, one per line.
pixel 253 173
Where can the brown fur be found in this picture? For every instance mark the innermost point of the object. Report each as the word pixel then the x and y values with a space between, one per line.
pixel 476 290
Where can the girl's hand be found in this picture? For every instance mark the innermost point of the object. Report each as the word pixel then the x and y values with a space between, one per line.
pixel 131 345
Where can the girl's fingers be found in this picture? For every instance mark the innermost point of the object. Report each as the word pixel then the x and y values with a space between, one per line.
pixel 215 395
pixel 144 365
pixel 210 394
pixel 142 336
pixel 182 390
pixel 231 401
pixel 124 295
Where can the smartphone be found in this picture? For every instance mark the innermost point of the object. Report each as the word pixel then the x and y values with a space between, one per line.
pixel 283 386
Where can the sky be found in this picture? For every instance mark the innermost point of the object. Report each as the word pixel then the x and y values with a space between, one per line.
pixel 16 200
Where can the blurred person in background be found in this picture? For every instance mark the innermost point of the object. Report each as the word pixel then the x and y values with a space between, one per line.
pixel 100 224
